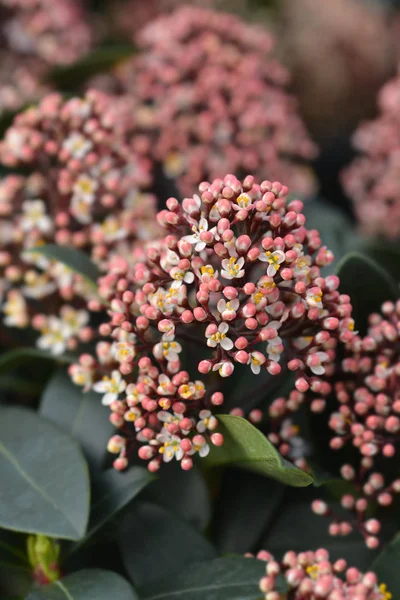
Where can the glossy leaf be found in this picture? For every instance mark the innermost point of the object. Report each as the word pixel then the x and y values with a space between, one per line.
pixel 386 566
pixel 14 358
pixel 184 493
pixel 368 286
pixel 44 486
pixel 219 579
pixel 334 226
pixel 154 543
pixel 74 259
pixel 111 492
pixel 89 584
pixel 80 414
pixel 246 447
pixel 246 503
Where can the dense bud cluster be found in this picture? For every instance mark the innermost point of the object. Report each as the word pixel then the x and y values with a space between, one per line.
pixel 239 277
pixel 53 31
pixel 368 420
pixel 214 101
pixel 35 34
pixel 373 179
pixel 311 575
pixel 86 170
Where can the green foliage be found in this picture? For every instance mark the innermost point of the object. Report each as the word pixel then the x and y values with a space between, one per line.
pixel 89 584
pixel 386 566
pixel 367 284
pixel 80 414
pixel 154 543
pixel 219 579
pixel 246 447
pixel 44 480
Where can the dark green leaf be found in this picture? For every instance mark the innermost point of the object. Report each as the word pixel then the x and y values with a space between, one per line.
pixel 333 225
pixel 80 414
pixel 13 358
pixel 386 566
pixel 246 447
pixel 154 543
pixel 74 259
pixel 99 61
pixel 219 579
pixel 44 486
pixel 246 504
pixel 367 284
pixel 89 584
pixel 384 252
pixel 111 491
pixel 184 493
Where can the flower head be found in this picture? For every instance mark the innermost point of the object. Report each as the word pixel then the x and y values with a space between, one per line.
pixel 83 171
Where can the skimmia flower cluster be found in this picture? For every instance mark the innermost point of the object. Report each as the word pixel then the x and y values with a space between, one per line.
pixel 56 32
pixel 86 170
pixel 313 574
pixel 214 101
pixel 368 420
pixel 238 275
pixel 34 35
pixel 372 180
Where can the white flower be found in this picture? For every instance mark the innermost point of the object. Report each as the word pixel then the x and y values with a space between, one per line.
pixel 77 145
pixel 315 360
pixel 243 201
pixel 180 276
pixel 81 210
pixel 171 446
pixel 38 285
pixel 195 237
pixel 54 336
pixel 112 229
pixel 256 359
pixel 220 337
pixel 314 298
pixel 121 351
pixel 208 272
pixel 225 368
pixel 167 349
pixel 207 421
pixel 302 267
pixel 82 376
pixel 85 188
pixel 165 386
pixel 202 448
pixel 232 268
pixel 274 260
pixel 15 310
pixel 169 259
pixel 111 387
pixel 228 309
pixel 34 217
pixel 74 319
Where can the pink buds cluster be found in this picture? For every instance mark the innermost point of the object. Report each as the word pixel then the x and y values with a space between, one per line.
pixel 86 172
pixel 34 35
pixel 239 277
pixel 312 575
pixel 373 179
pixel 56 32
pixel 368 420
pixel 214 101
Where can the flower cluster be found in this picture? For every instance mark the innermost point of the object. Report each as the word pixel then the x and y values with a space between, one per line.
pixel 239 277
pixel 56 32
pixel 368 420
pixel 339 54
pixel 214 101
pixel 313 575
pixel 87 172
pixel 372 180
pixel 34 35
